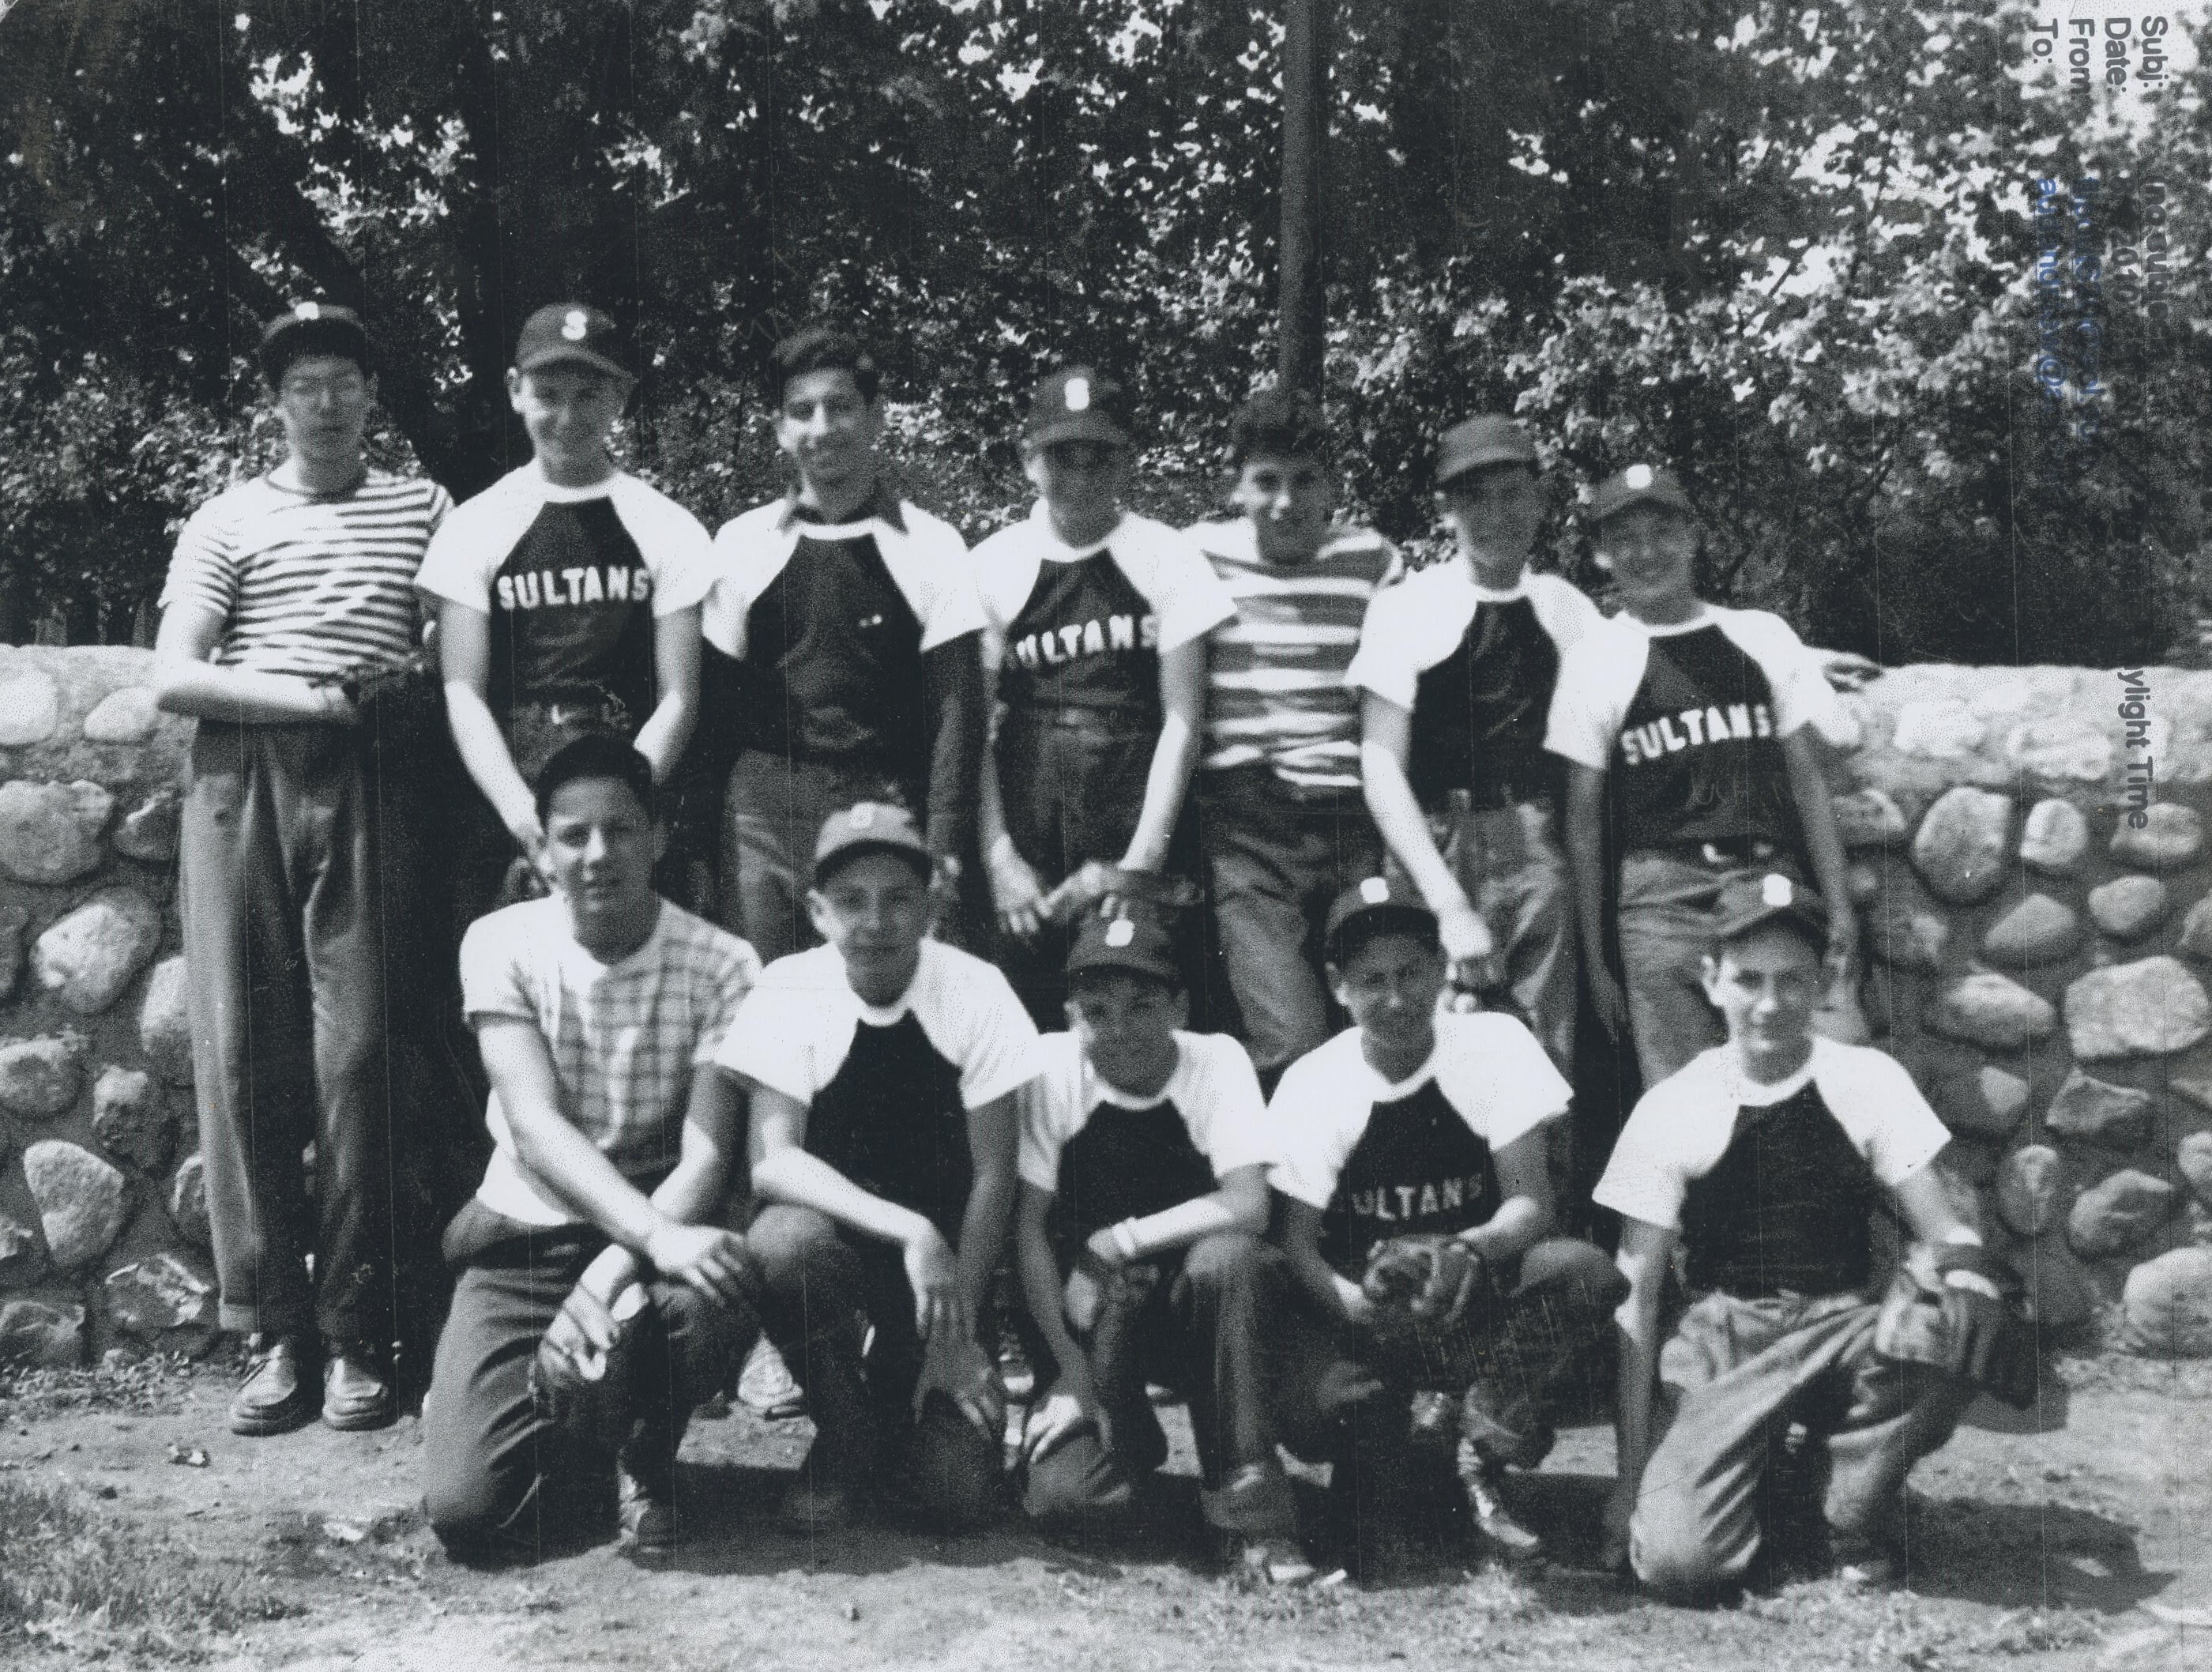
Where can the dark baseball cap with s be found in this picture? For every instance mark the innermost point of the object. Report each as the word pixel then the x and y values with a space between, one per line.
pixel 1746 904
pixel 310 328
pixel 1372 906
pixel 1077 405
pixel 1134 943
pixel 573 334
pixel 1640 484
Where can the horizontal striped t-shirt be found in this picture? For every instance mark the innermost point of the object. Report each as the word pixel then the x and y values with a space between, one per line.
pixel 310 584
pixel 1275 689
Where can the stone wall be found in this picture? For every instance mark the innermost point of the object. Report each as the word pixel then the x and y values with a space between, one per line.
pixel 2038 961
pixel 103 1224
pixel 2029 852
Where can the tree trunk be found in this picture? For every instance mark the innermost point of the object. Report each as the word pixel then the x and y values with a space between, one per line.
pixel 1305 125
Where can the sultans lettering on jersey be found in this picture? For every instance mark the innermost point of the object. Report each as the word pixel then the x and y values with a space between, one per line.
pixel 1057 645
pixel 545 589
pixel 1394 1204
pixel 1691 727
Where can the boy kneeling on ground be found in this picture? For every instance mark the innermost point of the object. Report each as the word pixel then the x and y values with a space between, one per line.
pixel 1764 1159
pixel 884 1068
pixel 595 1305
pixel 1416 1217
pixel 1144 1196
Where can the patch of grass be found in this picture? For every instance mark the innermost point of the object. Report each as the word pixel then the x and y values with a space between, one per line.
pixel 153 1386
pixel 77 1581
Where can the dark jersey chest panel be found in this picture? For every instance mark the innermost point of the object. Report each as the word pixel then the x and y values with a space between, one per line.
pixel 1698 759
pixel 1085 638
pixel 1479 715
pixel 572 614
pixel 833 668
pixel 1418 1168
pixel 892 1121
pixel 1788 1205
pixel 1126 1163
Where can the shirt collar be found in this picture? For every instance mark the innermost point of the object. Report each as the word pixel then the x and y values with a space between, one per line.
pixel 1040 518
pixel 1748 1093
pixel 1097 1091
pixel 881 505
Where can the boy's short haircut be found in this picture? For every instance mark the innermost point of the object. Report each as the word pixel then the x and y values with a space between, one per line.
pixel 1279 424
pixel 820 348
pixel 595 755
pixel 306 330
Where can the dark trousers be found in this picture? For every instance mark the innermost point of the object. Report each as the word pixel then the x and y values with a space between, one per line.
pixel 1532 1334
pixel 1072 787
pixel 1195 1321
pixel 827 1289
pixel 283 920
pixel 1275 861
pixel 502 1481
pixel 774 809
pixel 1735 1375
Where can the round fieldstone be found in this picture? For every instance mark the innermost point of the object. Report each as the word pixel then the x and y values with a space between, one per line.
pixel 30 708
pixel 2166 1306
pixel 89 956
pixel 163 1302
pixel 83 1200
pixel 13 921
pixel 43 833
pixel 2172 836
pixel 1987 1102
pixel 165 1023
pixel 1907 939
pixel 1861 882
pixel 2054 838
pixel 2129 908
pixel 148 832
pixel 2061 1294
pixel 1869 818
pixel 2031 1189
pixel 2115 1215
pixel 2117 1116
pixel 2197 929
pixel 1962 846
pixel 1993 1011
pixel 131 1117
pixel 35 1332
pixel 2152 1008
pixel 22 1253
pixel 128 716
pixel 188 1209
pixel 40 1079
pixel 2039 930
pixel 2192 1158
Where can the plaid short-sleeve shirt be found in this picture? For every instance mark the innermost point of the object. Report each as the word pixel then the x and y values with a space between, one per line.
pixel 625 1038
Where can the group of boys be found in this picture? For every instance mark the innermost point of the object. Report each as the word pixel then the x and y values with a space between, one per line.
pixel 1405 785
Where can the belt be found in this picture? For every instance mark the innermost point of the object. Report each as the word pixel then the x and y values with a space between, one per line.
pixel 1722 853
pixel 1102 722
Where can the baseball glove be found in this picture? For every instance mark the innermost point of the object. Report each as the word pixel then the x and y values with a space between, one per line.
pixel 580 1387
pixel 1427 1277
pixel 1957 1309
pixel 1095 884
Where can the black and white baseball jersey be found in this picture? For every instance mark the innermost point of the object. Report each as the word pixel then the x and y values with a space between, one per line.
pixel 1771 1186
pixel 832 626
pixel 1109 1156
pixel 1383 1160
pixel 1476 666
pixel 572 580
pixel 888 1089
pixel 1084 627
pixel 1687 721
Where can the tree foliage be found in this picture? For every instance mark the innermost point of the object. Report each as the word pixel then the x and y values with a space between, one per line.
pixel 1791 248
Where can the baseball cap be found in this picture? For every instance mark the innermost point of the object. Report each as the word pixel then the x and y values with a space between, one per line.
pixel 571 333
pixel 1376 904
pixel 1474 443
pixel 1077 405
pixel 868 827
pixel 1639 484
pixel 311 328
pixel 1748 903
pixel 1137 943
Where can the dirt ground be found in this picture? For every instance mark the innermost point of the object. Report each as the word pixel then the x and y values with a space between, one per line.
pixel 2089 1546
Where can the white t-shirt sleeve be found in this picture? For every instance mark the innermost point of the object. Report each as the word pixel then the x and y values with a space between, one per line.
pixel 1563 610
pixel 1234 1130
pixel 1598 677
pixel 1316 1123
pixel 1048 1113
pixel 1899 1133
pixel 776 1039
pixel 952 608
pixel 1190 600
pixel 1803 696
pixel 464 555
pixel 673 543
pixel 1649 1173
pixel 997 1044
pixel 495 979
pixel 1494 1071
pixel 203 572
pixel 1395 649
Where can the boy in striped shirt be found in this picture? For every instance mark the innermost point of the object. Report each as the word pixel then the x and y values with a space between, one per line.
pixel 1284 827
pixel 284 589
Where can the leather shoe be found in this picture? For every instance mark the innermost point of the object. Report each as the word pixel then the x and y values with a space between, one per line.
pixel 276 1397
pixel 355 1393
